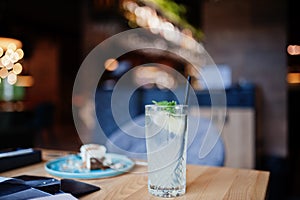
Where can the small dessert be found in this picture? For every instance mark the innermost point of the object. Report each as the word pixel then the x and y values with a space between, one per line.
pixel 93 156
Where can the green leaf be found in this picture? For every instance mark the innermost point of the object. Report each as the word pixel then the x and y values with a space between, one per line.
pixel 170 105
pixel 165 103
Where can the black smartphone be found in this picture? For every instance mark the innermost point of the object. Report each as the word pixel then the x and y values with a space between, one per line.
pixel 46 184
pixel 77 188
pixel 54 186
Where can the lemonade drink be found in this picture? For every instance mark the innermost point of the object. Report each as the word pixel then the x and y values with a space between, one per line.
pixel 166 140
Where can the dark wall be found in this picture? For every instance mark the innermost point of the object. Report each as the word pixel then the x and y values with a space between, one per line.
pixel 250 36
pixel 55 21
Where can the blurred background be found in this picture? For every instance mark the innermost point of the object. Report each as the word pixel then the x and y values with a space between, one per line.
pixel 253 42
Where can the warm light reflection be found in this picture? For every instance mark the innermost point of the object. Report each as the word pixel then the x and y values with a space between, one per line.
pixel 10 54
pixel 148 76
pixel 20 53
pixel 25 81
pixel 293 49
pixel 111 64
pixel 17 68
pixel 3 73
pixel 12 78
pixel 4 42
pixel 147 17
pixel 293 78
pixel 12 46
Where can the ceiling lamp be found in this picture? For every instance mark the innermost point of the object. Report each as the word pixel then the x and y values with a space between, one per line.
pixel 10 55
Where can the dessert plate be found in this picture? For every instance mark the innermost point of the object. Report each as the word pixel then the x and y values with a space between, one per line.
pixel 71 167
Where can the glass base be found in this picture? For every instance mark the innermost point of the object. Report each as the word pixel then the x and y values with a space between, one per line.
pixel 166 192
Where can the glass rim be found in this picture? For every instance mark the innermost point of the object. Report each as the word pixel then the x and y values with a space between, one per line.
pixel 165 106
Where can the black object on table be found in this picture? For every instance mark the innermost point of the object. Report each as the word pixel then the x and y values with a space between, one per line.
pixel 14 158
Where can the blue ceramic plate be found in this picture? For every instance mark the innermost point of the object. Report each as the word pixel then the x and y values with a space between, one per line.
pixel 69 167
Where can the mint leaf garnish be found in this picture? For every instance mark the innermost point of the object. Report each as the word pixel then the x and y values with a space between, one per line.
pixel 165 103
pixel 170 105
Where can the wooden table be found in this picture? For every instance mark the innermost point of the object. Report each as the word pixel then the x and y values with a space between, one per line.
pixel 203 182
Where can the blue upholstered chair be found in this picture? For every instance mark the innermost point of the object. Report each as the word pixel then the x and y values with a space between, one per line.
pixel 205 147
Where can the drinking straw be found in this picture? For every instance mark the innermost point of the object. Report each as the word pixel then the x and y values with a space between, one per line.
pixel 187 90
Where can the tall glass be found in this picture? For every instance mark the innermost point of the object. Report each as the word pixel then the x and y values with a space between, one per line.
pixel 166 140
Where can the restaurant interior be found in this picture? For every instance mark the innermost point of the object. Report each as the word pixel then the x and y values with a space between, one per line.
pixel 254 44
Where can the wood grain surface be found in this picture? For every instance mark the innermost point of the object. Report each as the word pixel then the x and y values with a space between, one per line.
pixel 203 182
